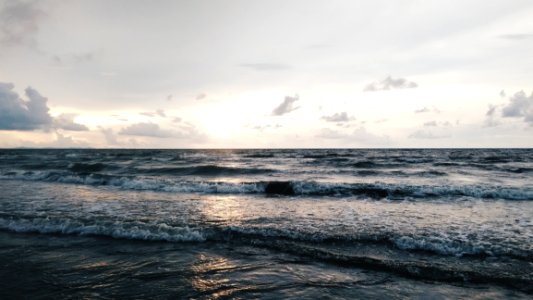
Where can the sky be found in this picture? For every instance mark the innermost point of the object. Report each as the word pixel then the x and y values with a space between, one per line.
pixel 266 74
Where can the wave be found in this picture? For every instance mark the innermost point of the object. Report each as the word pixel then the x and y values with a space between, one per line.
pixel 280 188
pixel 161 231
pixel 205 170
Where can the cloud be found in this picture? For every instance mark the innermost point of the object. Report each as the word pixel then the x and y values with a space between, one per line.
pixel 426 110
pixel 185 131
pixel 360 135
pixel 66 122
pixel 266 66
pixel 422 110
pixel 146 129
pixel 201 96
pixel 490 120
pixel 426 134
pixel 390 83
pixel 338 117
pixel 161 113
pixel 520 106
pixel 327 133
pixel 18 114
pixel 19 22
pixel 286 106
pixel 430 124
pixel 150 114
pixel 520 36
pixel 109 135
pixel 502 94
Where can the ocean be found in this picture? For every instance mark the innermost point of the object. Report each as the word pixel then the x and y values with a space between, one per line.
pixel 269 224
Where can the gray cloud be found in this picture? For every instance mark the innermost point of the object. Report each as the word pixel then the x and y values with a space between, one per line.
pixel 520 36
pixel 266 66
pixel 19 22
pixel 286 106
pixel 18 114
pixel 66 122
pixel 390 83
pixel 338 117
pixel 201 96
pixel 520 106
pixel 502 94
pixel 430 124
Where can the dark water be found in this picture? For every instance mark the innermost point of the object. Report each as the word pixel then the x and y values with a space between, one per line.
pixel 437 224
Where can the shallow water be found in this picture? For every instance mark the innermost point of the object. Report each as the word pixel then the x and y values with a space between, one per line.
pixel 267 223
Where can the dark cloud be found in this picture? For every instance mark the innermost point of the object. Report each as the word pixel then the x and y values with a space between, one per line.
pixel 390 83
pixel 18 114
pixel 520 106
pixel 19 22
pixel 286 106
pixel 66 122
pixel 519 36
pixel 266 66
pixel 338 117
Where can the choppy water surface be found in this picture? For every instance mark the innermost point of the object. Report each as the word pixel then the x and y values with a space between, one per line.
pixel 267 223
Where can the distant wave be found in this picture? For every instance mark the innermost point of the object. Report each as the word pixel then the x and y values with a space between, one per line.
pixel 281 188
